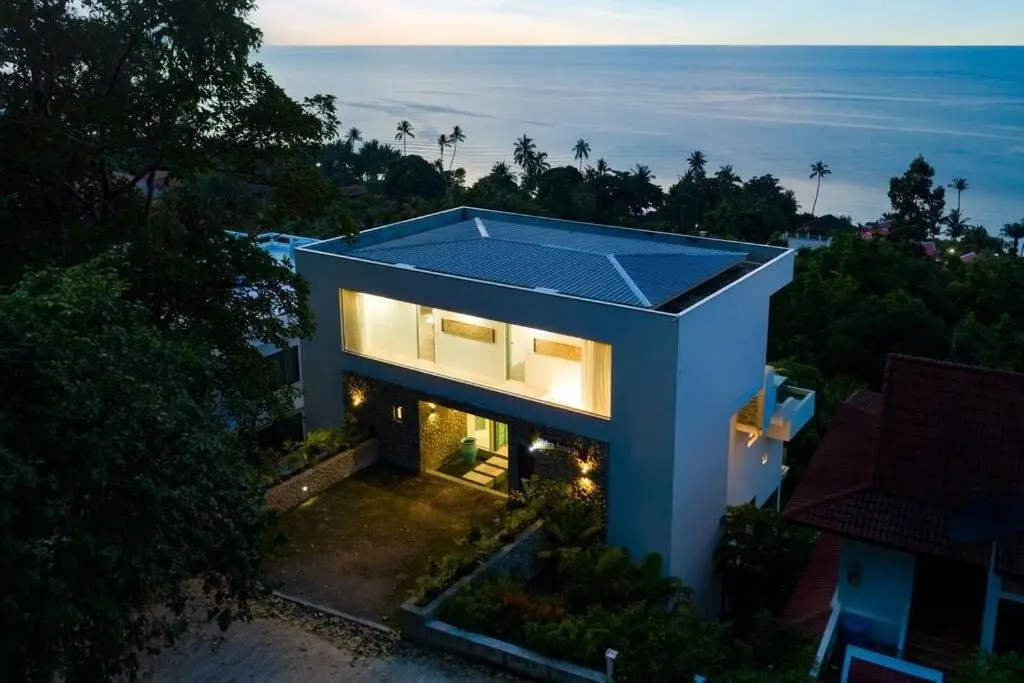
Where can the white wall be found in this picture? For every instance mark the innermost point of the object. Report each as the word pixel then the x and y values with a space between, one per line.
pixel 470 355
pixel 721 361
pixel 389 327
pixel 748 476
pixel 886 586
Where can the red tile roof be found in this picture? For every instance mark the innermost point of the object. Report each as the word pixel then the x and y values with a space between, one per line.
pixel 868 672
pixel 891 470
pixel 811 604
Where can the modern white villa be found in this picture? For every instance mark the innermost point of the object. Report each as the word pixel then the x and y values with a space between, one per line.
pixel 629 362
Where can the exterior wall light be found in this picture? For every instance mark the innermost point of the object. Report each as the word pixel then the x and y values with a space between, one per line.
pixel 357 396
pixel 397 413
pixel 586 485
pixel 854 573
pixel 539 445
pixel 586 466
pixel 764 458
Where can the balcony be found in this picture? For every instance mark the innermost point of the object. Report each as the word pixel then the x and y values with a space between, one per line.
pixel 794 408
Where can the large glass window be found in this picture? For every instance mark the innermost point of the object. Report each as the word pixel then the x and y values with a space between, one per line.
pixel 549 367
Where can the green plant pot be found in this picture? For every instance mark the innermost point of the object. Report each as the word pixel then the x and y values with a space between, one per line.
pixel 468 450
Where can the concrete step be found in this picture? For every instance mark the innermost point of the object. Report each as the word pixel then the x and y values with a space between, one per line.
pixel 497 462
pixel 488 469
pixel 477 478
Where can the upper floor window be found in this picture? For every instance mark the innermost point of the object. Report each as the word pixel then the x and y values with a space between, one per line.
pixel 545 366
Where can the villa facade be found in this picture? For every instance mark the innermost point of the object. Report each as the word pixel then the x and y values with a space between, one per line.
pixel 888 488
pixel 624 361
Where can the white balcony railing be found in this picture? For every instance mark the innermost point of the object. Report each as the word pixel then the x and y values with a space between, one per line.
pixel 794 408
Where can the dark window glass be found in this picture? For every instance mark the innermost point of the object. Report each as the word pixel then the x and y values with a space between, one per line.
pixel 287 361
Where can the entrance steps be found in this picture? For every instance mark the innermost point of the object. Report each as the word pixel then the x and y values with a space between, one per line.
pixel 487 471
pixel 936 652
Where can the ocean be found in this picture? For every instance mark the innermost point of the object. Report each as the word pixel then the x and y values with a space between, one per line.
pixel 865 111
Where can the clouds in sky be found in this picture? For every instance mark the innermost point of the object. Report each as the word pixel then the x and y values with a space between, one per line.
pixel 563 22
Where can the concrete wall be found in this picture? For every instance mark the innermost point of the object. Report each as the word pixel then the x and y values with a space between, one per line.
pixel 886 586
pixel 749 477
pixel 720 367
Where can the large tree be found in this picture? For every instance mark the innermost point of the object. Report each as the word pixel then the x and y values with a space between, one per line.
pixel 115 116
pixel 121 482
pixel 916 203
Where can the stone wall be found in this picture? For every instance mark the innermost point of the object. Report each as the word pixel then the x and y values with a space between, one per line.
pixel 441 432
pixel 372 403
pixel 308 483
pixel 400 442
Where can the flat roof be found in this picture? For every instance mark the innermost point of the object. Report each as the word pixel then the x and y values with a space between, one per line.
pixel 278 244
pixel 603 263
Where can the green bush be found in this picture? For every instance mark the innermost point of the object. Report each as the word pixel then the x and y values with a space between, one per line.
pixel 991 668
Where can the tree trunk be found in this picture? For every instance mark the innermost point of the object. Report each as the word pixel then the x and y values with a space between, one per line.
pixel 814 207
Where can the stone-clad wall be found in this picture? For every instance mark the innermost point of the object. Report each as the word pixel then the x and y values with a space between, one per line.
pixel 400 442
pixel 307 484
pixel 442 431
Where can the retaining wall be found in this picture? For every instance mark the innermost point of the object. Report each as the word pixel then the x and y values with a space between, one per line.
pixel 308 483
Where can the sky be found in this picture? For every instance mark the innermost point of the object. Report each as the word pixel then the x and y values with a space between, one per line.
pixel 659 22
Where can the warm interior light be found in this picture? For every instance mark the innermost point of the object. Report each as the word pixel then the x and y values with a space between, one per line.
pixel 566 394
pixel 429 319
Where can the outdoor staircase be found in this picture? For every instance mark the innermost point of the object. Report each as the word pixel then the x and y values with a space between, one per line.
pixel 938 653
pixel 487 471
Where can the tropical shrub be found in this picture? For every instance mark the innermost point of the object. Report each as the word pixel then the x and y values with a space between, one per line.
pixel 759 558
pixel 991 668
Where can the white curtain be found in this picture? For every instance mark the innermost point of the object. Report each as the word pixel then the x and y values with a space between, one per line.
pixel 353 321
pixel 597 377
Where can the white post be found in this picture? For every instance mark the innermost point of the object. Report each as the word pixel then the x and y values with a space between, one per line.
pixel 992 591
pixel 609 663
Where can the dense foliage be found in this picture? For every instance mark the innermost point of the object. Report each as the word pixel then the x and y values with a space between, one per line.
pixel 759 558
pixel 119 481
pixel 131 135
pixel 590 597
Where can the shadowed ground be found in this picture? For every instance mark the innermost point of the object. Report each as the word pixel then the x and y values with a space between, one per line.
pixel 359 546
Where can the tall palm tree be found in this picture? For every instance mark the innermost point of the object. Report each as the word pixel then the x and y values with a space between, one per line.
pixel 404 131
pixel 353 136
pixel 960 185
pixel 581 150
pixel 1015 232
pixel 454 139
pixel 442 144
pixel 602 167
pixel 819 169
pixel 697 163
pixel 523 152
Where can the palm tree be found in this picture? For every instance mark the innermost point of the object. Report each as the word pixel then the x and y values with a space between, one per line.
pixel 442 143
pixel 581 150
pixel 956 225
pixel 523 152
pixel 726 176
pixel 602 167
pixel 353 136
pixel 819 169
pixel 697 163
pixel 541 163
pixel 454 139
pixel 960 185
pixel 404 131
pixel 1015 232
pixel 643 173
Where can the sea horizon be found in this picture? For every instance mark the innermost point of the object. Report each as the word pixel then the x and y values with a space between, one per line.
pixel 852 106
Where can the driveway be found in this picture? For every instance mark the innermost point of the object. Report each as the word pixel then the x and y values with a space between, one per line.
pixel 290 644
pixel 359 546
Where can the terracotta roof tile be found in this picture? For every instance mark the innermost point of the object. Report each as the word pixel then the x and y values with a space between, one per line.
pixel 811 603
pixel 868 672
pixel 890 470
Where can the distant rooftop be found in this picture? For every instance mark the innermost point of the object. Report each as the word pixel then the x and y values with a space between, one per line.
pixel 603 263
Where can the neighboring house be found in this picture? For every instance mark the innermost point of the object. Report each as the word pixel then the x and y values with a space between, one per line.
pixel 282 247
pixel 625 361
pixel 887 488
